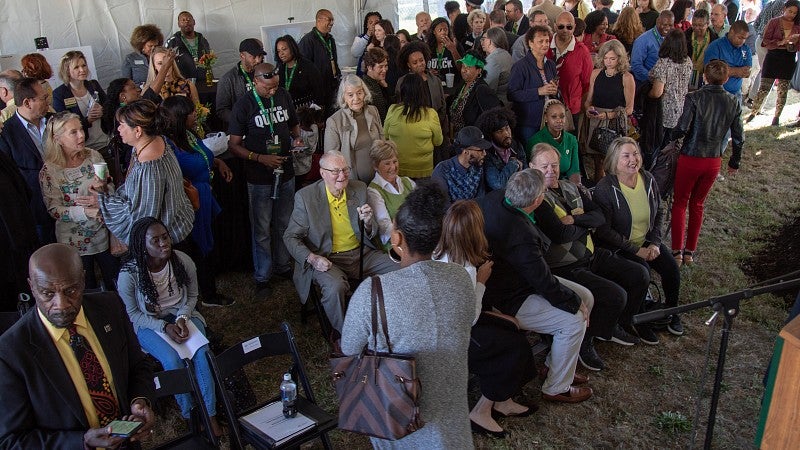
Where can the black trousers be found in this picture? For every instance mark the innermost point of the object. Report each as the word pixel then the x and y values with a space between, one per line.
pixel 109 269
pixel 619 287
pixel 667 268
pixel 501 358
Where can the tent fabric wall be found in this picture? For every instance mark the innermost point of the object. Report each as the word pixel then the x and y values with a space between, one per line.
pixel 106 25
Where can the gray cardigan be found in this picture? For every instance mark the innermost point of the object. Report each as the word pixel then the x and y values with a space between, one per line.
pixel 135 301
pixel 430 306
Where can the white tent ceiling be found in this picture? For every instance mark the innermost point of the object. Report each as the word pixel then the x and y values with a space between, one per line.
pixel 106 25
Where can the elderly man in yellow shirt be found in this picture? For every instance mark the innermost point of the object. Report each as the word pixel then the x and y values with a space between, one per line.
pixel 324 237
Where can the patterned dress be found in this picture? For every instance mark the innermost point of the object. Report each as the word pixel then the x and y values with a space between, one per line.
pixel 60 187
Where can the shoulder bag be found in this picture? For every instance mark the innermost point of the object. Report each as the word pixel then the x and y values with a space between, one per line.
pixel 378 392
pixel 604 135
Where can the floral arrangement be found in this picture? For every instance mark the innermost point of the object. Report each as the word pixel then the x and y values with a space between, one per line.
pixel 208 60
pixel 202 112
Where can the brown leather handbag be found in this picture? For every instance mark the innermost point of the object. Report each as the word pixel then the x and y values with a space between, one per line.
pixel 192 194
pixel 378 392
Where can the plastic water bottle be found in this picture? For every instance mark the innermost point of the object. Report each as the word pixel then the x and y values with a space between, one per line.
pixel 288 396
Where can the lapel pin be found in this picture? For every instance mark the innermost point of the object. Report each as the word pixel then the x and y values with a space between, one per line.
pixel 107 328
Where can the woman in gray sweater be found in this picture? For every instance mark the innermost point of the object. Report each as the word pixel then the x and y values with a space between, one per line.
pixel 438 331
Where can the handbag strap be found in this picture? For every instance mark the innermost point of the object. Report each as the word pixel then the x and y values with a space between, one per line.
pixel 378 304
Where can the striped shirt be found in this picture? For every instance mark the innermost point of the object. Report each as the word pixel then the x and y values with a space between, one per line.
pixel 152 188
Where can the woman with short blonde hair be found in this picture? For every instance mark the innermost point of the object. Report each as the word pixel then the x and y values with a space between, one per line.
pixel 387 190
pixel 82 96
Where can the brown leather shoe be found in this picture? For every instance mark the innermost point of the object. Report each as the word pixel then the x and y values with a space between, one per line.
pixel 573 395
pixel 577 379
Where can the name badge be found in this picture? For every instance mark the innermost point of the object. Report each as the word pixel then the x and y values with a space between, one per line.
pixel 73 174
pixel 70 102
pixel 138 62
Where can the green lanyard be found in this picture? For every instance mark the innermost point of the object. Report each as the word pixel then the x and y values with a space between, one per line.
pixel 439 57
pixel 192 50
pixel 329 47
pixel 454 106
pixel 196 147
pixel 658 36
pixel 697 51
pixel 247 77
pixel 289 76
pixel 264 112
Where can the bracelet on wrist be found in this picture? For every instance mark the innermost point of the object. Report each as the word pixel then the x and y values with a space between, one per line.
pixel 250 156
pixel 184 317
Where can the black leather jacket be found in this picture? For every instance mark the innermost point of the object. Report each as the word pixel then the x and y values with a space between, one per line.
pixel 708 114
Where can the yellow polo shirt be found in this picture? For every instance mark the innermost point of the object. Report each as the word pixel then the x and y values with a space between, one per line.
pixel 61 339
pixel 344 239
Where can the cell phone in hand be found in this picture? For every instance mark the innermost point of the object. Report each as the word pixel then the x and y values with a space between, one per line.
pixel 124 428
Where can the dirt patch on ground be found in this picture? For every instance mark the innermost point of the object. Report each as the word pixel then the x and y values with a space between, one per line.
pixel 777 257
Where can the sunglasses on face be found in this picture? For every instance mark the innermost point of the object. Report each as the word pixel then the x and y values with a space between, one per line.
pixel 562 26
pixel 265 76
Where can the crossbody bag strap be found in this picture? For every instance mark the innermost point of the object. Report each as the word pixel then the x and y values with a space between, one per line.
pixel 377 291
pixel 374 314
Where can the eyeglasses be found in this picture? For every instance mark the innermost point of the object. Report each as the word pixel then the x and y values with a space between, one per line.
pixel 336 172
pixel 562 26
pixel 265 76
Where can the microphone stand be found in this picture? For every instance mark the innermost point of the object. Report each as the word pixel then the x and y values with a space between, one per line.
pixel 728 305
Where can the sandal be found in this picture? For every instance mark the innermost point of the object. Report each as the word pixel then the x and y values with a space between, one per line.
pixel 679 258
pixel 688 258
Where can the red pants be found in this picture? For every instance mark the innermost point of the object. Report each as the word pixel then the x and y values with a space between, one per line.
pixel 693 180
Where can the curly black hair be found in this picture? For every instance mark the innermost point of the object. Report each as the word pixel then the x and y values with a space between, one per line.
pixel 408 50
pixel 135 261
pixel 494 119
pixel 420 217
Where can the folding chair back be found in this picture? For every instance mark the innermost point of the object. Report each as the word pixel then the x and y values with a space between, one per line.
pixel 182 381
pixel 260 347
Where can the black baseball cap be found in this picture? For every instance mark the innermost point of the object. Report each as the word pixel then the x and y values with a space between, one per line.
pixel 470 136
pixel 252 46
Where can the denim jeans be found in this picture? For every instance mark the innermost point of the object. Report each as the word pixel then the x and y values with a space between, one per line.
pixel 153 344
pixel 268 221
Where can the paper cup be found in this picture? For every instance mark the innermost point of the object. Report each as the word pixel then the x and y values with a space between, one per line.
pixel 101 170
pixel 450 79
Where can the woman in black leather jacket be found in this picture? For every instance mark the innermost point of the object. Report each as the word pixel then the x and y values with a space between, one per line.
pixel 629 198
pixel 708 114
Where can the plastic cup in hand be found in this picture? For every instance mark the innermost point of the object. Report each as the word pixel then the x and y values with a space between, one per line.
pixel 101 170
pixel 450 79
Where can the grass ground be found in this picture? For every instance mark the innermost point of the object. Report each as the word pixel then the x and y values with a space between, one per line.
pixel 647 397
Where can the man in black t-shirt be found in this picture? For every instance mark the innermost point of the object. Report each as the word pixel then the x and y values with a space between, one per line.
pixel 263 129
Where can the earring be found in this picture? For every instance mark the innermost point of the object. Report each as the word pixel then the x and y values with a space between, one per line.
pixel 394 254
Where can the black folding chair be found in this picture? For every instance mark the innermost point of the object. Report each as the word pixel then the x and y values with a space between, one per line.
pixel 182 381
pixel 264 346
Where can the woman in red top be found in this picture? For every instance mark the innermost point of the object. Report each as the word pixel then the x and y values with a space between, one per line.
pixel 780 38
pixel 682 9
pixel 596 27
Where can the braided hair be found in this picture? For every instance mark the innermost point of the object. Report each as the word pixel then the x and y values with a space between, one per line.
pixel 135 261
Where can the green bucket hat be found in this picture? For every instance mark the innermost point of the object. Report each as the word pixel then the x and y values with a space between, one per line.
pixel 471 61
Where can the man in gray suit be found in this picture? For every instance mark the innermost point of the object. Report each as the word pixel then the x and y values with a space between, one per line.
pixel 323 236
